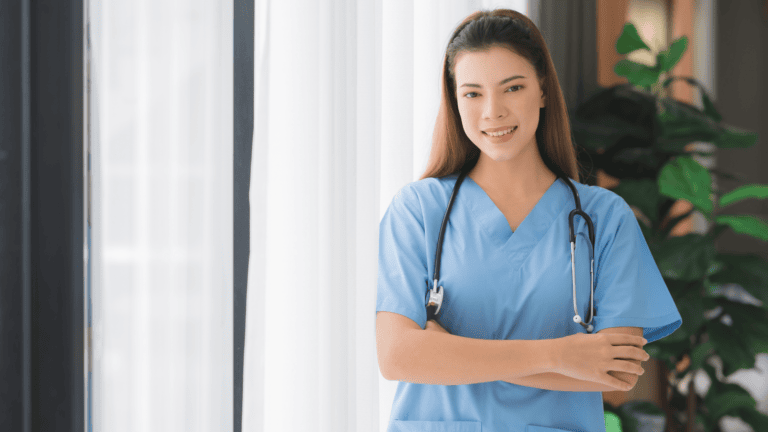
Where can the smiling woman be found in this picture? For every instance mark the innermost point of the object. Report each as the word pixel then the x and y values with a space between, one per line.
pixel 507 343
pixel 496 108
pixel 509 166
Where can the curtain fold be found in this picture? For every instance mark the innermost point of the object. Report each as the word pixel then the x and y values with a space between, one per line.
pixel 345 100
pixel 161 130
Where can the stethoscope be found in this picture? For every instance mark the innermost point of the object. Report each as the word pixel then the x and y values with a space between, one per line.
pixel 435 295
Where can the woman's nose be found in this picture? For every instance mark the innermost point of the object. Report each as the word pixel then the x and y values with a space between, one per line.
pixel 495 107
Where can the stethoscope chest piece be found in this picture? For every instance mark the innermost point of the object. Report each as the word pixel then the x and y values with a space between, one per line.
pixel 434 300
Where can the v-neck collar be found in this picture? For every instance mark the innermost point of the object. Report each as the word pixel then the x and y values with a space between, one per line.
pixel 535 224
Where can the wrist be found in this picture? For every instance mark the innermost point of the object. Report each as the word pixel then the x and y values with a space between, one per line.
pixel 552 355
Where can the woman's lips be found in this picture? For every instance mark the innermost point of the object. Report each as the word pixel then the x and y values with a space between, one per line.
pixel 497 130
pixel 502 138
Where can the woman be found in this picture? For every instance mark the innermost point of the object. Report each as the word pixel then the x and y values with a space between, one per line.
pixel 521 363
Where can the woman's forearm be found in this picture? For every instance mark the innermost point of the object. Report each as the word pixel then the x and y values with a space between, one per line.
pixel 553 380
pixel 558 382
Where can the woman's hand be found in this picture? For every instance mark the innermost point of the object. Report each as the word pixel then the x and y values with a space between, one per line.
pixel 589 357
pixel 434 326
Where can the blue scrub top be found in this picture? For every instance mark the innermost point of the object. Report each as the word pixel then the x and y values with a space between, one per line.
pixel 501 284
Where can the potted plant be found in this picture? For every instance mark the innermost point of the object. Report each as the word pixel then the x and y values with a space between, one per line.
pixel 637 134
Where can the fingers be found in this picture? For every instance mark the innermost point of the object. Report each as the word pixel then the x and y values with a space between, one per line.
pixel 619 339
pixel 631 352
pixel 628 366
pixel 618 384
pixel 637 341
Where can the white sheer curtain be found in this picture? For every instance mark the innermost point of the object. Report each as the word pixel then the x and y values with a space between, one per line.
pixel 346 94
pixel 161 158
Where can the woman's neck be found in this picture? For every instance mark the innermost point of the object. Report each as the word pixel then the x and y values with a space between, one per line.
pixel 514 179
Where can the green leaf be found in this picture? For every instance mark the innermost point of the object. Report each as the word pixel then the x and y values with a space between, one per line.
pixel 630 40
pixel 664 350
pixel 661 59
pixel 748 320
pixel 716 386
pixel 684 178
pixel 612 422
pixel 638 74
pixel 714 267
pixel 732 347
pixel 733 137
pixel 757 420
pixel 671 56
pixel 759 346
pixel 744 192
pixel 640 193
pixel 680 290
pixel 680 124
pixel 603 131
pixel 709 108
pixel 685 257
pixel 749 271
pixel 730 399
pixel 700 354
pixel 692 308
pixel 611 115
pixel 745 224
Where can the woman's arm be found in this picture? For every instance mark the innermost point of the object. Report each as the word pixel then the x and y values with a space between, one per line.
pixel 550 380
pixel 555 381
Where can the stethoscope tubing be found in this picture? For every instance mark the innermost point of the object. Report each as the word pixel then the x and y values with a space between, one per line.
pixel 434 298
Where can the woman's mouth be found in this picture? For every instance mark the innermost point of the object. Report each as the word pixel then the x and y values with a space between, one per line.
pixel 501 138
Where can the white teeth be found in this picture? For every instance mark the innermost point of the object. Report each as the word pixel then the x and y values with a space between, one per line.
pixel 496 134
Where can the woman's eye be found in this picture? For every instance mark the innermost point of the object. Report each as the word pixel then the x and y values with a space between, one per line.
pixel 467 94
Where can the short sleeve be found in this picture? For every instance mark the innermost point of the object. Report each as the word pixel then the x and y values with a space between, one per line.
pixel 402 272
pixel 629 288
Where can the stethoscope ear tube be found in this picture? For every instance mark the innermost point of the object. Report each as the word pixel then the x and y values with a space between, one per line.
pixel 577 211
pixel 434 298
pixel 441 235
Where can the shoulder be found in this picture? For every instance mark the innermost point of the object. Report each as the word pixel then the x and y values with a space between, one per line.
pixel 428 193
pixel 421 201
pixel 602 202
pixel 608 211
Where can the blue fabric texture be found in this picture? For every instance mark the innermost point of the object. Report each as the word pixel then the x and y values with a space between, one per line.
pixel 505 285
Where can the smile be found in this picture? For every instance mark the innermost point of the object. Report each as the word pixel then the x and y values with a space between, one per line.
pixel 502 133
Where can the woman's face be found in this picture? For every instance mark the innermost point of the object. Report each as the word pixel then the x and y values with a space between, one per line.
pixel 487 100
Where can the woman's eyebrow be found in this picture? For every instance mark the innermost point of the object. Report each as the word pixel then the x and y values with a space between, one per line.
pixel 504 81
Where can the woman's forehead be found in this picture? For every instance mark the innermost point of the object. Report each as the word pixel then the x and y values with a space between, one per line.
pixel 491 66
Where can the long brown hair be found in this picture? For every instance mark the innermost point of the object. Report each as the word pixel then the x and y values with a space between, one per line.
pixel 451 149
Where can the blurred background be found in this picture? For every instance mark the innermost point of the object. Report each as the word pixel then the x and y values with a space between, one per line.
pixel 190 195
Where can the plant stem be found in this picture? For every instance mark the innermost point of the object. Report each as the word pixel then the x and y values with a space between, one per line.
pixel 690 409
